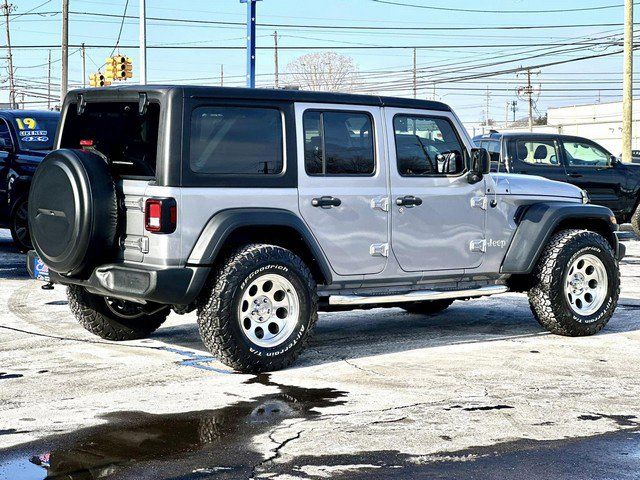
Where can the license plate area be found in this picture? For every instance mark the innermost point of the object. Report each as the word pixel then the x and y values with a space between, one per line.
pixel 37 268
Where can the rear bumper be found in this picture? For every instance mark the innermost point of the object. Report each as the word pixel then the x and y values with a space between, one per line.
pixel 169 285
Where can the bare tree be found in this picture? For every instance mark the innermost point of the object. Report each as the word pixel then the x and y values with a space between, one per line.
pixel 326 71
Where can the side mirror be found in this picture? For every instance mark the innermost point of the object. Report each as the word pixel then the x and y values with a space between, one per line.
pixel 480 164
pixel 613 160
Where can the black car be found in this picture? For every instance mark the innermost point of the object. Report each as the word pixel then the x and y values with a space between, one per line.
pixel 25 138
pixel 571 159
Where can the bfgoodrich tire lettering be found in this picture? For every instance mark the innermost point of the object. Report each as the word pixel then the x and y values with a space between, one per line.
pixel 547 298
pixel 94 314
pixel 220 306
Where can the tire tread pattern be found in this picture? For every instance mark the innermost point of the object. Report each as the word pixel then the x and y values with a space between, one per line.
pixel 217 309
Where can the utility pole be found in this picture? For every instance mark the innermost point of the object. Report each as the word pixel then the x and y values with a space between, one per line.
pixel 251 42
pixel 506 114
pixel 49 84
pixel 221 75
pixel 275 44
pixel 530 94
pixel 12 87
pixel 415 74
pixel 514 108
pixel 486 112
pixel 64 81
pixel 627 98
pixel 143 42
pixel 84 66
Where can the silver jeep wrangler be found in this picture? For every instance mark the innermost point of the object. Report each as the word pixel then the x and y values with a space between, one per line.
pixel 257 208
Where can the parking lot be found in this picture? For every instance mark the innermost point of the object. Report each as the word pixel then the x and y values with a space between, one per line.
pixel 477 391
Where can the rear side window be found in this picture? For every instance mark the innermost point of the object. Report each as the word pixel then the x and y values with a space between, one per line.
pixel 538 152
pixel 127 139
pixel 236 141
pixel 427 146
pixel 338 143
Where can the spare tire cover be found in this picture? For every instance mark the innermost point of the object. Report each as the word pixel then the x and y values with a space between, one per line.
pixel 73 211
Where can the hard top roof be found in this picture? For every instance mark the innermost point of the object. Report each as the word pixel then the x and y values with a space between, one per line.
pixel 282 95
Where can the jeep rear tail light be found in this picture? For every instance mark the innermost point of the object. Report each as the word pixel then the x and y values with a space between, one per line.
pixel 160 215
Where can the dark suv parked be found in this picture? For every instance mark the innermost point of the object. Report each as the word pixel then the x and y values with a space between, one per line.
pixel 575 160
pixel 25 138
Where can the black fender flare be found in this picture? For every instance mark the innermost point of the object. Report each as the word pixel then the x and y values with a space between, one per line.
pixel 539 221
pixel 223 224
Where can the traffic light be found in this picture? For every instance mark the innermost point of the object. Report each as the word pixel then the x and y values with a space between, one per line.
pixel 98 79
pixel 119 67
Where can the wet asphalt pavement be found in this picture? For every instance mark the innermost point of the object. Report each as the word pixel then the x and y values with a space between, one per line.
pixel 479 391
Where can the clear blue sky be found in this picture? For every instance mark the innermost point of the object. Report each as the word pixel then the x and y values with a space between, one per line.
pixel 573 83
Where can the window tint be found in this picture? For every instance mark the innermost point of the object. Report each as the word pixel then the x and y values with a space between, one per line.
pixel 494 150
pixel 427 146
pixel 236 140
pixel 585 154
pixel 538 152
pixel 338 143
pixel 5 136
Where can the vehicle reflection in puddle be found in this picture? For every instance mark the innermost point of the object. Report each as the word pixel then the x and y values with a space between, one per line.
pixel 133 444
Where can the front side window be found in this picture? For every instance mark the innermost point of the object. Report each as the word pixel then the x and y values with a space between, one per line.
pixel 427 146
pixel 338 143
pixel 538 152
pixel 236 141
pixel 580 154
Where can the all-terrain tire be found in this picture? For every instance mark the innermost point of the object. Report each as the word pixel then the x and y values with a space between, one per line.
pixel 635 221
pixel 219 306
pixel 547 298
pixel 93 314
pixel 19 224
pixel 430 307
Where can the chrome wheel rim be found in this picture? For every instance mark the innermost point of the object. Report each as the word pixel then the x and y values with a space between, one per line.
pixel 586 284
pixel 269 310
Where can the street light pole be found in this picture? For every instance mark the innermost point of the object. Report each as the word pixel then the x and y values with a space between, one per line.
pixel 627 98
pixel 143 42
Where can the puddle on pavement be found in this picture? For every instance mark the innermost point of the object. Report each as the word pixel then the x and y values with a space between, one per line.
pixel 132 444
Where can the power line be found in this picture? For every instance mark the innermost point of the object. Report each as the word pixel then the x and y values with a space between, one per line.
pixel 124 14
pixel 469 10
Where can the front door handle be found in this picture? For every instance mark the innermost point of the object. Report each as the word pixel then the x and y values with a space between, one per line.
pixel 408 201
pixel 575 175
pixel 326 202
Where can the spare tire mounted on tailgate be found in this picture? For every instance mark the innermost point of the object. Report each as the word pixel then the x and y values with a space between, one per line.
pixel 73 211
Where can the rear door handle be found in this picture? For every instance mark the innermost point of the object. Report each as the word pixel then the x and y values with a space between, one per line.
pixel 408 201
pixel 326 202
pixel 575 175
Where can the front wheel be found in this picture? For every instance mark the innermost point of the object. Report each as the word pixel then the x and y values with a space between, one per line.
pixel 259 310
pixel 19 224
pixel 577 284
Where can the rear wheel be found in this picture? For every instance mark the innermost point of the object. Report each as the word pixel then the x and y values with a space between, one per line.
pixel 430 307
pixel 19 224
pixel 259 310
pixel 577 284
pixel 114 319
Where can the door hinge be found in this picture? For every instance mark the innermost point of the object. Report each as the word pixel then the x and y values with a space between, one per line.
pixel 479 246
pixel 380 203
pixel 134 242
pixel 479 202
pixel 379 250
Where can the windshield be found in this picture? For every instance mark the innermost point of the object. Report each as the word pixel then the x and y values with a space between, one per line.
pixel 36 132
